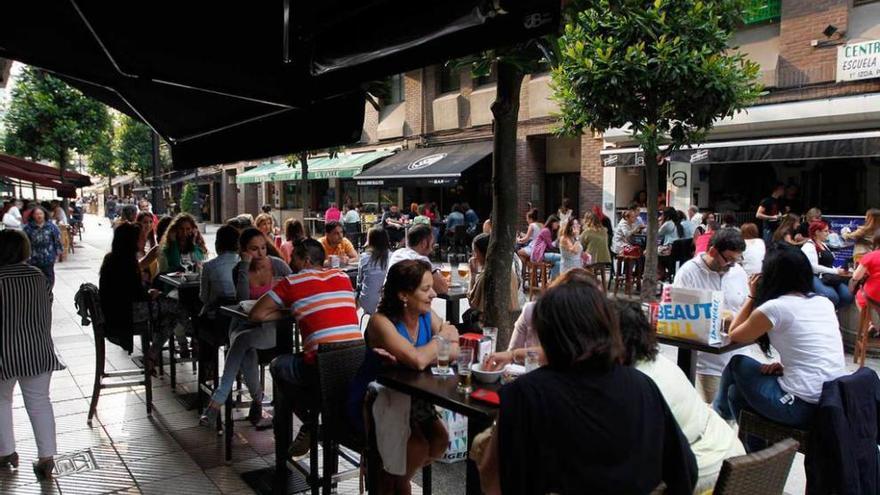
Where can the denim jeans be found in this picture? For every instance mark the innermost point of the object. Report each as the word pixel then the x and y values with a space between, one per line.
pixel 744 386
pixel 296 379
pixel 556 259
pixel 839 294
pixel 242 356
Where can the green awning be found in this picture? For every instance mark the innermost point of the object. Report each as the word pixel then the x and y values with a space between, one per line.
pixel 339 167
pixel 265 172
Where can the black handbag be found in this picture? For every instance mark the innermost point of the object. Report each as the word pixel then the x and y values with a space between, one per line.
pixel 832 279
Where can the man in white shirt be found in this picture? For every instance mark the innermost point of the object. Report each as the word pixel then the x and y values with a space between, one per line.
pixel 420 243
pixel 717 269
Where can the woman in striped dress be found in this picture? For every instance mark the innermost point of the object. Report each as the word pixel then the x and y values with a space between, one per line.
pixel 27 355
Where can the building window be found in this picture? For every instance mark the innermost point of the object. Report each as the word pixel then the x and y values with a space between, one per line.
pixel 762 10
pixel 449 79
pixel 395 92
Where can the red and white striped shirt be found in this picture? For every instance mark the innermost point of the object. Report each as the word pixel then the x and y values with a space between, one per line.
pixel 323 304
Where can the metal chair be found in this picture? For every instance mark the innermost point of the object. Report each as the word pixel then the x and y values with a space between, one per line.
pixel 752 423
pixel 760 473
pixel 88 293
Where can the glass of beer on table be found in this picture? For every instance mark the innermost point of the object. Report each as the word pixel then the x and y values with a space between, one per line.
pixel 443 349
pixel 446 271
pixel 464 360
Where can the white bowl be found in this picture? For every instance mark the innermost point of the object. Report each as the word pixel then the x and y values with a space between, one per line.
pixel 485 376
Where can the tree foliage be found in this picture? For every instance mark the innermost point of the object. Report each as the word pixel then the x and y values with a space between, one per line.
pixel 189 200
pixel 102 159
pixel 662 67
pixel 134 147
pixel 49 120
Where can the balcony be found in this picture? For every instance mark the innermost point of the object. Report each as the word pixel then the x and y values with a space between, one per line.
pixel 762 10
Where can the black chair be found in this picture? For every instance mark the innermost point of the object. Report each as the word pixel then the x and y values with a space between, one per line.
pixel 89 295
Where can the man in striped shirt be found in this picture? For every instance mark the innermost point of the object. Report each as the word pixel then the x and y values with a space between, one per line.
pixel 323 304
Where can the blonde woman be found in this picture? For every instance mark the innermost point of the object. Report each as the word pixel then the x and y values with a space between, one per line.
pixel 570 246
pixel 864 235
pixel 181 245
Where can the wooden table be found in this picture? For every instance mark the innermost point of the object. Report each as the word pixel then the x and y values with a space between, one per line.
pixel 442 391
pixel 287 340
pixel 453 303
pixel 686 357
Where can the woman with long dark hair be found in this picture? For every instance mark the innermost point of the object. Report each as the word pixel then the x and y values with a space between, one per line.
pixel 544 248
pixel 801 326
pixel 671 228
pixel 293 231
pixel 372 266
pixel 405 327
pixel 148 248
pixel 784 236
pixel 254 276
pixel 584 423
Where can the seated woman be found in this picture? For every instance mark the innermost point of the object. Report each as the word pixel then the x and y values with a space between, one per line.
pixel 254 276
pixel 372 266
pixel 584 423
pixel 148 248
pixel 544 248
pixel 805 331
pixel 476 267
pixel 182 245
pixel 524 241
pixel 293 231
pixel 570 246
pixel 828 281
pixel 869 272
pixel 711 439
pixel 784 236
pixel 405 330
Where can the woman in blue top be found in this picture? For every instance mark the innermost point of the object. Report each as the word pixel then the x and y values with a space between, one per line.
pixel 46 247
pixel 406 331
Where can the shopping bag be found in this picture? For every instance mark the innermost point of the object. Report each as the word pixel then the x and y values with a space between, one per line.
pixel 693 314
pixel 457 426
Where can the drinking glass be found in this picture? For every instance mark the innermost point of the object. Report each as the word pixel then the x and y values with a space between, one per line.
pixel 463 271
pixel 492 333
pixel 464 360
pixel 532 362
pixel 446 271
pixel 443 348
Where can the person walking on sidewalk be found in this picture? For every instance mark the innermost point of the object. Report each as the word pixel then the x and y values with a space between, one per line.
pixel 45 243
pixel 27 355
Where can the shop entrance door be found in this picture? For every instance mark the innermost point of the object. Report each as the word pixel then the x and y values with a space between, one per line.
pixel 560 186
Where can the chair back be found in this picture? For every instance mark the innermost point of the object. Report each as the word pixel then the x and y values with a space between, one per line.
pixel 338 363
pixel 88 303
pixel 761 473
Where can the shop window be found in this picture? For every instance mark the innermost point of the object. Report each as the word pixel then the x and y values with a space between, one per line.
pixel 292 196
pixel 394 90
pixel 449 79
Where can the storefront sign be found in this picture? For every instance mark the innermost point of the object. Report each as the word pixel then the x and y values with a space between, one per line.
pixel 426 161
pixel 843 252
pixel 857 61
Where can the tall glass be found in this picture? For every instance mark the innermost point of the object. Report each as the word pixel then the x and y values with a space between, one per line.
pixel 464 360
pixel 492 333
pixel 443 349
pixel 532 362
pixel 446 271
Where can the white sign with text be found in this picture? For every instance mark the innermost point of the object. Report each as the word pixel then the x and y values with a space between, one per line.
pixel 857 61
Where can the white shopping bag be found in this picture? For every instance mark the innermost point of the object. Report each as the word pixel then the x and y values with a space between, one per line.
pixel 692 314
pixel 457 426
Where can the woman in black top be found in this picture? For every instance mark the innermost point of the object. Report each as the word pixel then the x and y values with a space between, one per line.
pixel 584 423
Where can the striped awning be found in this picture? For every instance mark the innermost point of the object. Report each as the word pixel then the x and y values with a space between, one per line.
pixel 342 166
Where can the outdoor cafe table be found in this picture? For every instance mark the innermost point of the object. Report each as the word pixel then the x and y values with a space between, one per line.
pixel 441 391
pixel 453 300
pixel 286 341
pixel 687 358
pixel 188 297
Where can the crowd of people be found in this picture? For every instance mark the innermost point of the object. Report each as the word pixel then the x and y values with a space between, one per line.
pixel 603 412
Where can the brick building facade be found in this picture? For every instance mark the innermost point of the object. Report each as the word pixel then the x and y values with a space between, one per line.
pixel 438 107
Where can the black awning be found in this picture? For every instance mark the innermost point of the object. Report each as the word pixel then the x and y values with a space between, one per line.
pixel 799 148
pixel 224 82
pixel 437 166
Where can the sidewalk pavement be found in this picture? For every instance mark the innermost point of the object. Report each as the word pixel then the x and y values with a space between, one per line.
pixel 127 452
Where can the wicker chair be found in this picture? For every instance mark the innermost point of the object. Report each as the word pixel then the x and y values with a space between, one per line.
pixel 761 473
pixel 751 423
pixel 539 277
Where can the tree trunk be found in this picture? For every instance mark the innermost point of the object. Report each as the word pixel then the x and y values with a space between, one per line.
pixel 499 258
pixel 649 278
pixel 304 185
pixel 156 193
pixel 62 164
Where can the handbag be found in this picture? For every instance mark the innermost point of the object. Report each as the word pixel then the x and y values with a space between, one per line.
pixel 632 251
pixel 832 279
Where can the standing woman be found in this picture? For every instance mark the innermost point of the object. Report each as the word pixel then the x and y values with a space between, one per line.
pixel 864 235
pixel 45 241
pixel 27 355
pixel 372 266
pixel 565 212
pixel 594 238
pixel 570 246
